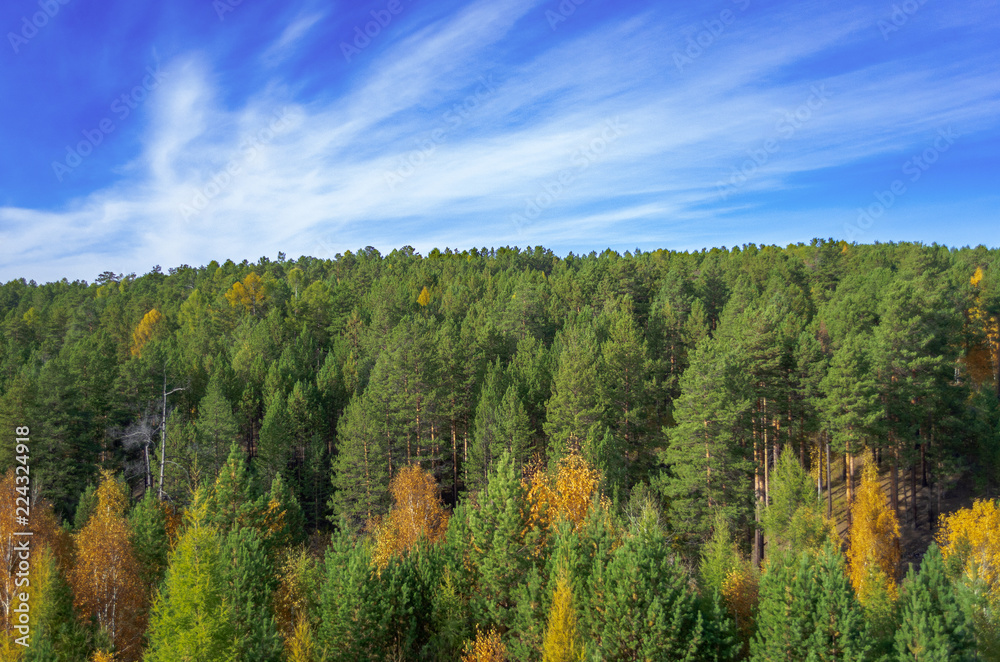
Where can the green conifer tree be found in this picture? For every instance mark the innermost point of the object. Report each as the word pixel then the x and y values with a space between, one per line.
pixel 933 625
pixel 192 619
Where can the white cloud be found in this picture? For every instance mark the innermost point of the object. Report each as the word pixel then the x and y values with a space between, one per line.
pixel 320 180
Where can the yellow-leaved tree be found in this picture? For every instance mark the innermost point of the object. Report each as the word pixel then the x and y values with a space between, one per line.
pixel 969 538
pixel 562 640
pixel 566 496
pixel 105 578
pixel 146 330
pixel 874 544
pixel 424 298
pixel 486 647
pixel 250 294
pixel 416 512
pixel 973 536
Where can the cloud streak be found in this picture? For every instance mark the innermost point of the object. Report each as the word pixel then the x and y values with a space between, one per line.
pixel 321 181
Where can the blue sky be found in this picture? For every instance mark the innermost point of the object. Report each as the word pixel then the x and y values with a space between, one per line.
pixel 137 134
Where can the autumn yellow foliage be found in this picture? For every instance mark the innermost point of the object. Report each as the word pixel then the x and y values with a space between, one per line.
pixel 740 592
pixel 562 640
pixel 981 357
pixel 874 542
pixel 424 298
pixel 567 496
pixel 105 576
pixel 486 647
pixel 974 535
pixel 416 512
pixel 248 295
pixel 145 331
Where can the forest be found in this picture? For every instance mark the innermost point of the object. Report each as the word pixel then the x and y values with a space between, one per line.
pixel 756 453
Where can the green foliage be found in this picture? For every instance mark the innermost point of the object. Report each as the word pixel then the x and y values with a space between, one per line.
pixel 808 610
pixel 192 619
pixel 150 543
pixel 933 625
pixel 794 519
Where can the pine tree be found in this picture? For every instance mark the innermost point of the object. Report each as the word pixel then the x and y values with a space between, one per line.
pixel 807 610
pixel 274 448
pixel 249 578
pixel 649 609
pixel 623 387
pixel 709 471
pixel 360 472
pixel 574 407
pixel 933 625
pixel 216 427
pixel 497 547
pixel 487 442
pixel 148 522
pixel 794 519
pixel 234 500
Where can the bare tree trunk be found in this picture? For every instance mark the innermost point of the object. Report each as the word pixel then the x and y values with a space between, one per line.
pixel 829 479
pixel 894 483
pixel 454 461
pixel 913 493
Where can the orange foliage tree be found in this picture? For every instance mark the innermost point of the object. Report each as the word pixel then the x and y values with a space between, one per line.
pixel 874 540
pixel 46 535
pixel 105 577
pixel 417 511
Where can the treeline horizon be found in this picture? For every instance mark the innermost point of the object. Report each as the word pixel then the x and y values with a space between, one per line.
pixel 559 424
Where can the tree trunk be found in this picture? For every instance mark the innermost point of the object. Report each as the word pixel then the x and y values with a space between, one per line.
pixel 913 493
pixel 454 461
pixel 849 461
pixel 758 485
pixel 829 479
pixel 894 483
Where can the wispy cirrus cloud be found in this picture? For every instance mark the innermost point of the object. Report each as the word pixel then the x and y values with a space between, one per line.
pixel 320 180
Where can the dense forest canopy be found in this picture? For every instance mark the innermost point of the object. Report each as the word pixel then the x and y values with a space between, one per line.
pixel 507 453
